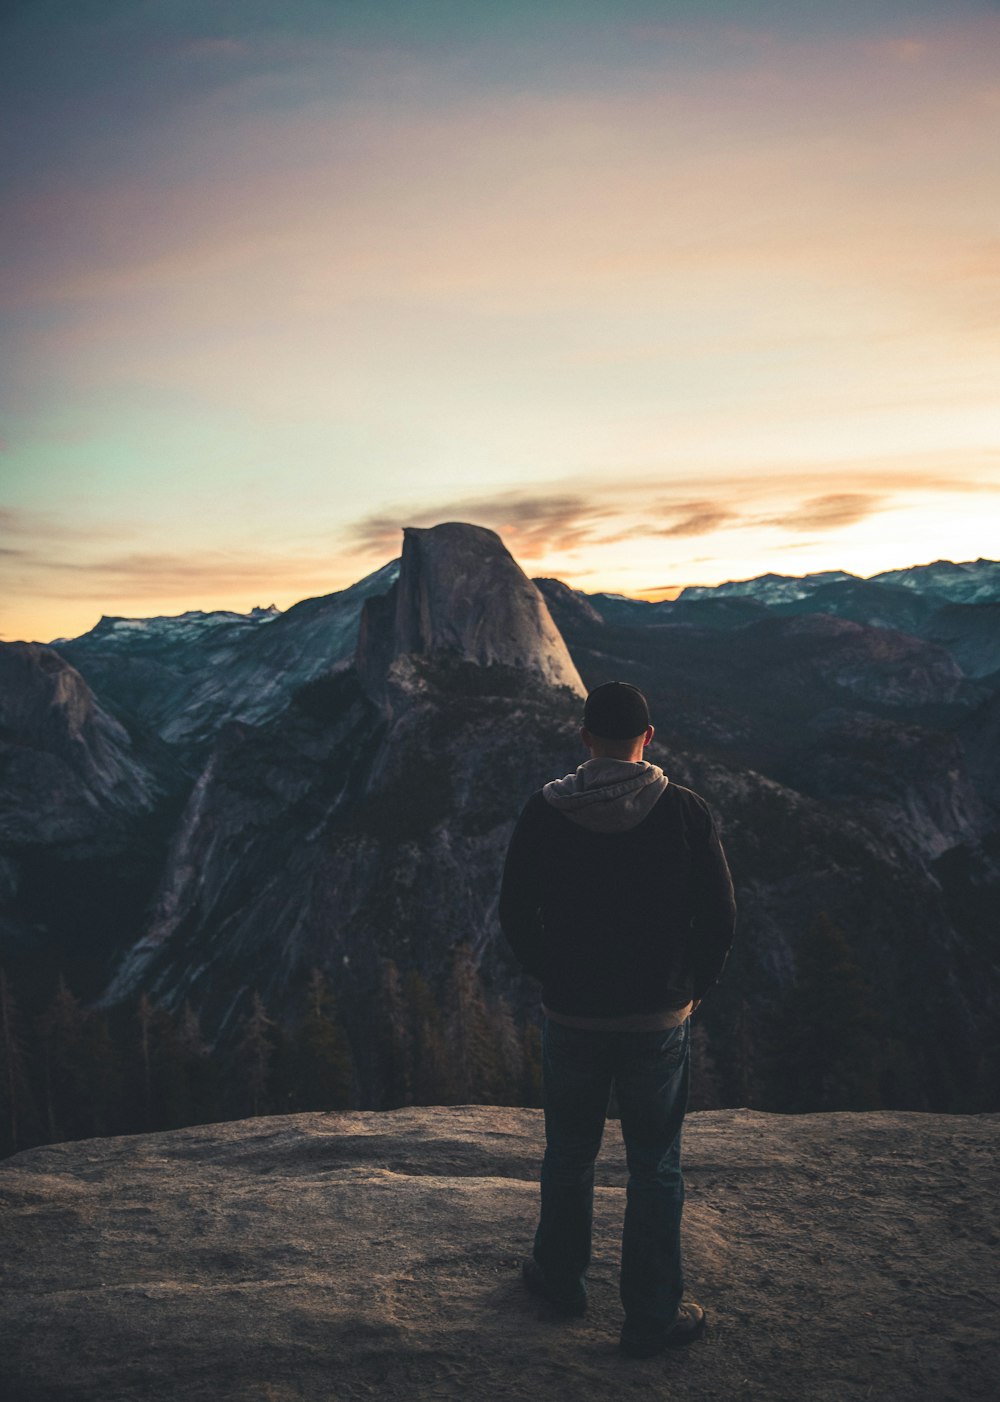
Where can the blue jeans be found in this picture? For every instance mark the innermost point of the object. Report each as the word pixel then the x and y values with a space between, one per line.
pixel 650 1073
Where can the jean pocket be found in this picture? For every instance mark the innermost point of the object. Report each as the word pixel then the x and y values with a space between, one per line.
pixel 673 1042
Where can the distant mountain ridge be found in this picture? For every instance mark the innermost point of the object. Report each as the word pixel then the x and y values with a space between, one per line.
pixel 955 605
pixel 112 629
pixel 768 588
pixel 186 676
pixel 973 581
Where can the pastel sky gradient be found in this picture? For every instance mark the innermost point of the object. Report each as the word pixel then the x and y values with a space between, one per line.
pixel 666 293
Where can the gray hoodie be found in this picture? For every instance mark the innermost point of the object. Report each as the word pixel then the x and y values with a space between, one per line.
pixel 607 795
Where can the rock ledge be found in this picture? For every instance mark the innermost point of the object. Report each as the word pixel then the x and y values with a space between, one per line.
pixel 362 1255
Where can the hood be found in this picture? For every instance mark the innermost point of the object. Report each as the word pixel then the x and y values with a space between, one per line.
pixel 607 795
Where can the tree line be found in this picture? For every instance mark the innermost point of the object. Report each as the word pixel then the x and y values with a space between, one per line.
pixel 70 1071
pixel 73 1072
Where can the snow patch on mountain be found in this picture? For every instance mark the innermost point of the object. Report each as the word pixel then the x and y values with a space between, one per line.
pixel 191 626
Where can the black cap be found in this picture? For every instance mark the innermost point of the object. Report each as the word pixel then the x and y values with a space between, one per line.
pixel 616 711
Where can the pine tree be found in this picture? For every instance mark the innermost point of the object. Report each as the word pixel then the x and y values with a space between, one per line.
pixel 254 1055
pixel 828 1048
pixel 62 1034
pixel 395 1049
pixel 531 1077
pixel 102 1078
pixel 198 1071
pixel 144 1017
pixel 470 1031
pixel 159 1082
pixel 744 1059
pixel 15 1094
pixel 509 1055
pixel 323 1067
pixel 432 1071
pixel 706 1087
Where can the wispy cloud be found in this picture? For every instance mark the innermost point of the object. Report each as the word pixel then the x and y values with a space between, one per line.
pixel 828 513
pixel 552 522
pixel 532 525
pixel 195 576
pixel 697 518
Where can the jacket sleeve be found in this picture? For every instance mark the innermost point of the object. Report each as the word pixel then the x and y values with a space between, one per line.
pixel 520 896
pixel 714 922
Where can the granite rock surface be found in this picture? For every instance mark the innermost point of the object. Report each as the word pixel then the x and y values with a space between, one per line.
pixel 359 1255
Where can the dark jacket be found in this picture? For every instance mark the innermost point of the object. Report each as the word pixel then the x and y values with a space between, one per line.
pixel 615 923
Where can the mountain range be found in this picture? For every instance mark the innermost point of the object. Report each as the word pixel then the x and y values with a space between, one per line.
pixel 203 808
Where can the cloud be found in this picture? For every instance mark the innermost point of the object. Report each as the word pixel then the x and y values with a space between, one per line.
pixel 828 513
pixel 197 575
pixel 564 519
pixel 531 525
pixel 697 518
pixel 63 560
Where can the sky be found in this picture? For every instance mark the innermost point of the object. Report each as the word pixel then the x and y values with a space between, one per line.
pixel 665 293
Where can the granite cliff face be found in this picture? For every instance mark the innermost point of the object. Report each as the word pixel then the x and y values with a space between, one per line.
pixel 80 795
pixel 68 766
pixel 360 1256
pixel 461 595
pixel 971 633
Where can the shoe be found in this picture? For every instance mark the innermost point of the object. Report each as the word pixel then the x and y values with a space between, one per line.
pixel 688 1326
pixel 533 1276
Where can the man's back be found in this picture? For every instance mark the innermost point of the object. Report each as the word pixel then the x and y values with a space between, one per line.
pixel 616 922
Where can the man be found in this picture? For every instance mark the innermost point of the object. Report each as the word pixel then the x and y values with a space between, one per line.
pixel 617 896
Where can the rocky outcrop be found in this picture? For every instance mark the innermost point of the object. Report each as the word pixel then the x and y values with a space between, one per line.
pixel 565 603
pixel 71 771
pixel 980 737
pixel 350 1256
pixel 872 664
pixel 80 798
pixel 914 779
pixel 971 633
pixel 461 596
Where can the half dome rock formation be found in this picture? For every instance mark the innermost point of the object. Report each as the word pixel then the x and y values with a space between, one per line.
pixel 461 594
pixel 333 1257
